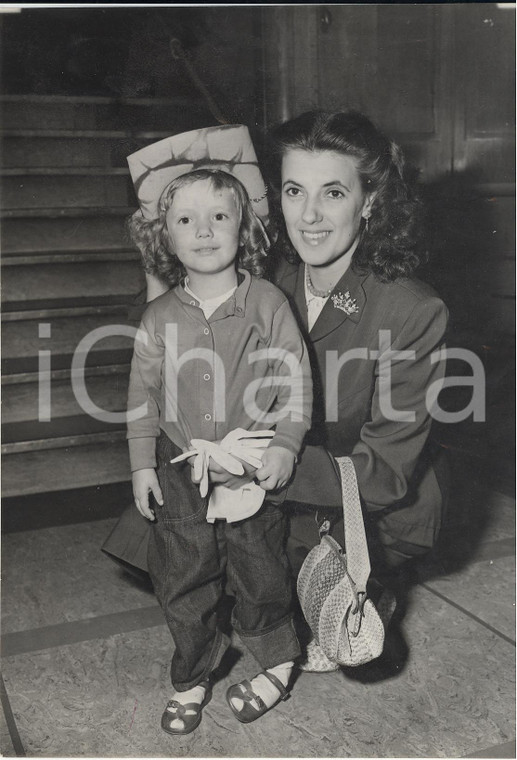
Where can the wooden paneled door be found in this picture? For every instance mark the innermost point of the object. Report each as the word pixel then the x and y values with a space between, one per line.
pixel 439 78
pixel 392 62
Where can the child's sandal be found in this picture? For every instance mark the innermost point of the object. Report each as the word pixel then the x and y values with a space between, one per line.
pixel 190 714
pixel 244 691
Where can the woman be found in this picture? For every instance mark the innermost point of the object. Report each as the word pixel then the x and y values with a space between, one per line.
pixel 347 254
pixel 348 268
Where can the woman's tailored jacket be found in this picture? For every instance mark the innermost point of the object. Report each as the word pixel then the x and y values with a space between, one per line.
pixel 375 357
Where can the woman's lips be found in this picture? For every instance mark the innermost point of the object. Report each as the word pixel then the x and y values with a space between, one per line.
pixel 314 238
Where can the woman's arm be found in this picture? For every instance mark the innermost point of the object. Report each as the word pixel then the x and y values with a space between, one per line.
pixel 155 287
pixel 143 424
pixel 391 442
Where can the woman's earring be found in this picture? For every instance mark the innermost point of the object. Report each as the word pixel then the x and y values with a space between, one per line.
pixel 367 222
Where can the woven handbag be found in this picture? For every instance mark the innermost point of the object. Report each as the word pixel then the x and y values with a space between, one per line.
pixel 332 586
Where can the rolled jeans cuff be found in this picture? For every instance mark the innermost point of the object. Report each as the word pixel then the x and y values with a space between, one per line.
pixel 220 645
pixel 273 645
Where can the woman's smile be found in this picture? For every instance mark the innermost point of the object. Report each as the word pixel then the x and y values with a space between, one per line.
pixel 315 238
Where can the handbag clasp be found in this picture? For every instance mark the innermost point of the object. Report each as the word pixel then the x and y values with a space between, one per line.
pixel 323 526
pixel 358 612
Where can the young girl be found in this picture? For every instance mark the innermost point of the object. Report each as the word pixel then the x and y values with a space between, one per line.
pixel 204 238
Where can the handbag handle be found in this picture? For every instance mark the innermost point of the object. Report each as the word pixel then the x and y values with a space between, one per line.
pixel 356 546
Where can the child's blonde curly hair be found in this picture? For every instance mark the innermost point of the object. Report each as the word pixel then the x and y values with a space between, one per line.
pixel 152 239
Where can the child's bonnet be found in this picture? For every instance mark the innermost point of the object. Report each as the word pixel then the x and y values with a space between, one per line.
pixel 227 147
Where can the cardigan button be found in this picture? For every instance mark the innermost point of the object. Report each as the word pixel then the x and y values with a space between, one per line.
pixel 206 331
pixel 208 417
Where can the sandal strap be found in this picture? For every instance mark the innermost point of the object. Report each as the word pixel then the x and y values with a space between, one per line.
pixel 248 694
pixel 182 709
pixel 277 683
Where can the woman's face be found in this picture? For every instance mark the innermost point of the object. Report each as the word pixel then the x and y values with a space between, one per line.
pixel 323 204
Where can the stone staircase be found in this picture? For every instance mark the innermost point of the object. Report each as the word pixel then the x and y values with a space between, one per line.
pixel 68 269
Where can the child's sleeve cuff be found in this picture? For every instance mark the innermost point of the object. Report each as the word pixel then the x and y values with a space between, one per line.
pixel 142 453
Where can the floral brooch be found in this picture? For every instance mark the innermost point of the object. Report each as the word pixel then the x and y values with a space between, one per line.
pixel 345 302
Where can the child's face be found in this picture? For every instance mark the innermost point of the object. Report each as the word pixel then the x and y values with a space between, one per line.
pixel 203 226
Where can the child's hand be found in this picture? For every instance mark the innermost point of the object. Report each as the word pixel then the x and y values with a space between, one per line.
pixel 145 481
pixel 277 468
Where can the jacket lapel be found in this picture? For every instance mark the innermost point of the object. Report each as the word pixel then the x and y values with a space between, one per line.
pixel 292 283
pixel 349 301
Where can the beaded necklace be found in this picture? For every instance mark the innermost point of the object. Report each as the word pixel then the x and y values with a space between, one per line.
pixel 312 290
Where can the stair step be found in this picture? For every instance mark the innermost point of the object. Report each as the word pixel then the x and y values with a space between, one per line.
pixel 57 375
pixel 75 505
pixel 24 368
pixel 172 115
pixel 80 282
pixel 26 258
pixel 78 230
pixel 20 402
pixel 61 148
pixel 93 464
pixel 21 341
pixel 46 314
pixel 44 212
pixel 31 435
pixel 64 442
pixel 64 171
pixel 41 190
pixel 80 134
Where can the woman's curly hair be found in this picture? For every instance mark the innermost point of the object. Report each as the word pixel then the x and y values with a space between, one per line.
pixel 153 241
pixel 391 245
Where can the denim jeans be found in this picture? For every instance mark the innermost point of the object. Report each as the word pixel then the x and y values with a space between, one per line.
pixel 190 561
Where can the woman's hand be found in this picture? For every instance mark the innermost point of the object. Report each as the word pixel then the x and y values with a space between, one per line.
pixel 145 482
pixel 218 475
pixel 277 468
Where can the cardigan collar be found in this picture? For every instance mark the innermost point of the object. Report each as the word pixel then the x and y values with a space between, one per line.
pixel 234 306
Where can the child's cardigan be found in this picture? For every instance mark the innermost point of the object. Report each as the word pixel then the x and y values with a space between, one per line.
pixel 220 385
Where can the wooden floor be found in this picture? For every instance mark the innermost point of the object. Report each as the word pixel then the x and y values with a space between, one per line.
pixel 86 657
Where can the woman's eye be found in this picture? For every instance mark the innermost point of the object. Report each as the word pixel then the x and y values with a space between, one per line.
pixel 336 194
pixel 293 192
pixel 219 217
pixel 183 220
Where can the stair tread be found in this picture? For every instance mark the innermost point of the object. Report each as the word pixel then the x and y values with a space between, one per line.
pixel 16 365
pixel 73 211
pixel 100 99
pixel 61 469
pixel 63 232
pixel 108 391
pixel 72 440
pixel 101 134
pixel 51 171
pixel 67 303
pixel 24 258
pixel 56 375
pixel 61 427
pixel 93 249
pixel 71 312
pixel 68 284
pixel 29 364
